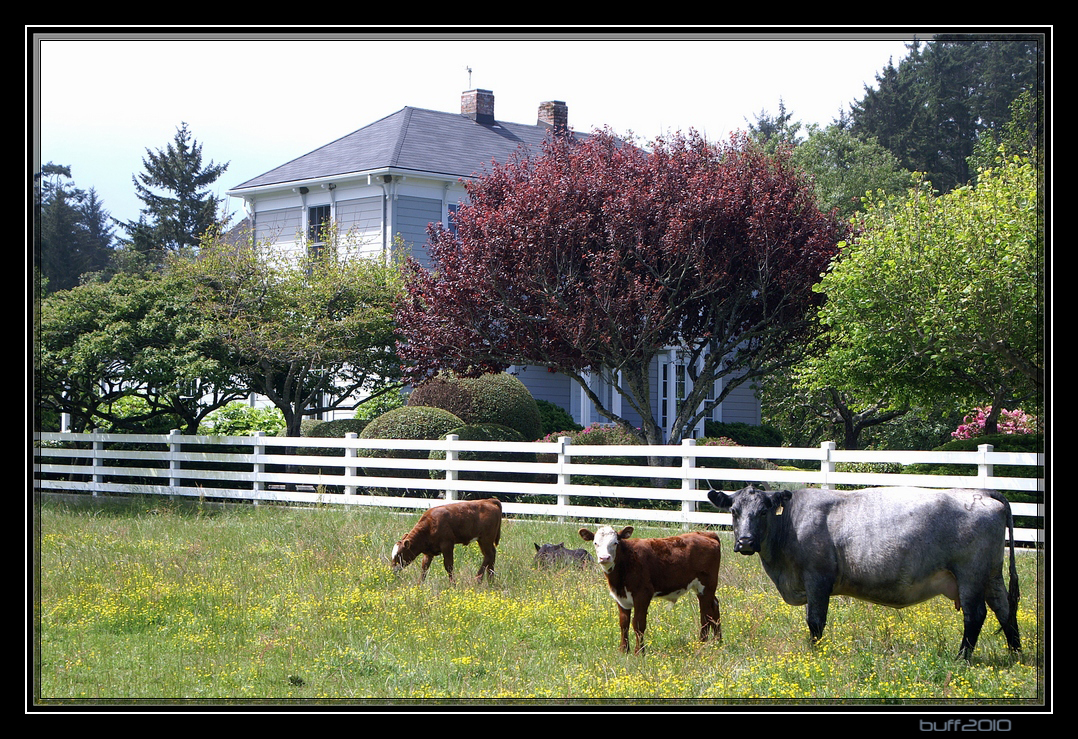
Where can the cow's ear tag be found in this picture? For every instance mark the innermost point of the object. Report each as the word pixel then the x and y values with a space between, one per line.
pixel 778 511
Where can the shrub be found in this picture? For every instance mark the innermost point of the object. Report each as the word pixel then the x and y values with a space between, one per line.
pixel 491 398
pixel 731 462
pixel 1009 422
pixel 130 407
pixel 240 419
pixel 376 406
pixel 744 434
pixel 555 419
pixel 339 428
pixel 306 427
pixel 600 435
pixel 488 432
pixel 407 422
pixel 1031 443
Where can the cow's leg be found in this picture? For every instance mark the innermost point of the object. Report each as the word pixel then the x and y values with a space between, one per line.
pixel 447 561
pixel 818 592
pixel 640 621
pixel 623 624
pixel 1005 609
pixel 710 617
pixel 424 566
pixel 973 615
pixel 487 565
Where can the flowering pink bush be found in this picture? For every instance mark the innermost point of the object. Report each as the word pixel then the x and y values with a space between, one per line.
pixel 1010 422
pixel 597 433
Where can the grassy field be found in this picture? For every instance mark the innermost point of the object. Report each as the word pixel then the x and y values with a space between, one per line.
pixel 157 602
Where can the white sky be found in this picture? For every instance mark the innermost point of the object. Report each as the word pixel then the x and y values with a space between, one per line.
pixel 259 99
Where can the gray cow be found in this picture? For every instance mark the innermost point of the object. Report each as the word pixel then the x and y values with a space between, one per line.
pixel 892 546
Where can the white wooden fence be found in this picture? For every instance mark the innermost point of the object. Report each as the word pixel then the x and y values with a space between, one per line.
pixel 540 478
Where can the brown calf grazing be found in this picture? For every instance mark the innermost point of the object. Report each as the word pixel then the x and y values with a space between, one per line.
pixel 442 527
pixel 551 555
pixel 639 569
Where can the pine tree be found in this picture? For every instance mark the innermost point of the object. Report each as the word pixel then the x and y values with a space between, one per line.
pixel 179 209
pixel 72 229
pixel 944 97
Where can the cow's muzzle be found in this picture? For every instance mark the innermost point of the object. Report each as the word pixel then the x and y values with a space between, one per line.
pixel 745 546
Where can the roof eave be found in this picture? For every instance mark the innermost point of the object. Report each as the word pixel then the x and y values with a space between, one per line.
pixel 337 179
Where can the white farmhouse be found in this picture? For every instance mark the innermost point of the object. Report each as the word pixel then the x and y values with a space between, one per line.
pixel 393 177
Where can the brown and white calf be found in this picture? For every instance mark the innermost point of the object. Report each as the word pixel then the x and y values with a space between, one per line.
pixel 442 527
pixel 638 570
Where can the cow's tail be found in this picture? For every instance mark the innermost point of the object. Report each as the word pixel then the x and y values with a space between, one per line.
pixel 1013 596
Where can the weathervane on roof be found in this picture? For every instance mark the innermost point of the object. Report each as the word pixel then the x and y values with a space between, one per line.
pixel 469 77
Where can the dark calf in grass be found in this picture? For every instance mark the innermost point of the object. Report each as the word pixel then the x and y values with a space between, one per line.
pixel 638 570
pixel 556 555
pixel 442 527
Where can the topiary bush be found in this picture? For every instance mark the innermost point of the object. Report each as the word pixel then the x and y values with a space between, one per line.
pixel 488 432
pixel 407 422
pixel 306 427
pixel 339 428
pixel 554 419
pixel 492 398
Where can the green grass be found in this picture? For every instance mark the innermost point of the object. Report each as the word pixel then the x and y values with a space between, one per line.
pixel 156 602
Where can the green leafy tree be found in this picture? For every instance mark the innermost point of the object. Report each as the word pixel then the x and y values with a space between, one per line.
pixel 844 168
pixel 309 333
pixel 1022 135
pixel 808 415
pixel 941 298
pixel 178 208
pixel 102 344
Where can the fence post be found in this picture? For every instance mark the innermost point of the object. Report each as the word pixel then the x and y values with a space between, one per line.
pixel 451 455
pixel 563 479
pixel 827 464
pixel 984 470
pixel 98 447
pixel 173 462
pixel 688 486
pixel 259 451
pixel 350 470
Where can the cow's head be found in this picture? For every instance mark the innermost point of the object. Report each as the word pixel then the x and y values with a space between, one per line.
pixel 752 510
pixel 403 554
pixel 606 543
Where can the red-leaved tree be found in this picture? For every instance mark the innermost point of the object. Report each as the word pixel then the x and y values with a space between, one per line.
pixel 596 255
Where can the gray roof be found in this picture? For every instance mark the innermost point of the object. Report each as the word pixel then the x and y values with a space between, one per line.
pixel 416 139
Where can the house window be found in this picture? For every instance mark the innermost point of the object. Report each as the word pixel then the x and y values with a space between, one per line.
pixel 452 217
pixel 317 221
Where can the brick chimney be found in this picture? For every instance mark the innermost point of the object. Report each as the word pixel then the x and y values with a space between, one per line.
pixel 555 114
pixel 478 105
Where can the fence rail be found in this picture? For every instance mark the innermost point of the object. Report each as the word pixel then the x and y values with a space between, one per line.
pixel 549 479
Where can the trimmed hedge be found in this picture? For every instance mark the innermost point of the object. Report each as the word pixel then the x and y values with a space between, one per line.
pixel 407 422
pixel 491 398
pixel 554 418
pixel 338 429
